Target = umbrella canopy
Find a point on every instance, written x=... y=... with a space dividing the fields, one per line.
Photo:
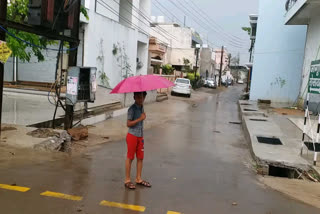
x=141 y=83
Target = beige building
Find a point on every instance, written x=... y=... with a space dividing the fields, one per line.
x=181 y=42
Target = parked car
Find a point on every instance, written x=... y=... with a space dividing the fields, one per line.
x=240 y=82
x=211 y=83
x=182 y=86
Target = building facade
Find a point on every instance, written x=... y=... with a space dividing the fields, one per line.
x=278 y=55
x=306 y=14
x=181 y=43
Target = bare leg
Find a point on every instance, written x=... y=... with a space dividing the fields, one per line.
x=139 y=170
x=128 y=170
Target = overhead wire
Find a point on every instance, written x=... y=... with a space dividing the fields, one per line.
x=144 y=16
x=31 y=44
x=209 y=19
x=148 y=25
x=112 y=10
x=202 y=24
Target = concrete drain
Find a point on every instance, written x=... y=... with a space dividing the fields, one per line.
x=269 y=140
x=312 y=147
x=259 y=120
x=248 y=109
x=282 y=172
x=245 y=104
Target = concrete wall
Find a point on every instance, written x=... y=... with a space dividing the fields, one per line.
x=279 y=51
x=206 y=63
x=176 y=56
x=311 y=52
x=110 y=9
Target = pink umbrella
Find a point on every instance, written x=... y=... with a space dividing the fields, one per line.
x=141 y=83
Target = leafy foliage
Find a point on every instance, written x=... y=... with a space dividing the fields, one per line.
x=187 y=66
x=167 y=69
x=17 y=11
x=247 y=29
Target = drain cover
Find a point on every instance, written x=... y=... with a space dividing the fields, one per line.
x=310 y=146
x=248 y=109
x=269 y=140
x=261 y=120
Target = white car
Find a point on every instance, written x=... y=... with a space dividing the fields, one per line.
x=240 y=81
x=182 y=86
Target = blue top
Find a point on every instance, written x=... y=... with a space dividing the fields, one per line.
x=134 y=112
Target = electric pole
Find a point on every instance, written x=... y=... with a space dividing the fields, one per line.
x=196 y=69
x=221 y=63
x=3 y=17
x=68 y=121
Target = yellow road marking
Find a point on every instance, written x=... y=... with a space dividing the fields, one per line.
x=61 y=195
x=14 y=188
x=123 y=206
x=172 y=212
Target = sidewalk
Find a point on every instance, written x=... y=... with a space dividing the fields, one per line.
x=264 y=121
x=114 y=128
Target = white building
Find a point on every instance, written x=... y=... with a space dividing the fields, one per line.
x=116 y=38
x=306 y=12
x=278 y=55
x=181 y=42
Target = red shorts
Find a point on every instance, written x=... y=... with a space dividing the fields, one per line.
x=135 y=145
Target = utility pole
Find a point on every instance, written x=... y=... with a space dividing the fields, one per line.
x=196 y=69
x=184 y=21
x=221 y=63
x=3 y=17
x=68 y=122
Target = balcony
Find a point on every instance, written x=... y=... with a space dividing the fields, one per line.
x=156 y=47
x=299 y=12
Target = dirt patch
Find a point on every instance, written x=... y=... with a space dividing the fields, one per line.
x=305 y=191
x=8 y=128
x=288 y=111
x=43 y=133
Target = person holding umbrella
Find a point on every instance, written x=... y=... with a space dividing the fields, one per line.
x=136 y=115
x=135 y=140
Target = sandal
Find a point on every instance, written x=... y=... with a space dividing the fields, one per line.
x=130 y=185
x=144 y=183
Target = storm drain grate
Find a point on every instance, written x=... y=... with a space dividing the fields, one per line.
x=282 y=172
x=248 y=109
x=259 y=120
x=310 y=147
x=269 y=140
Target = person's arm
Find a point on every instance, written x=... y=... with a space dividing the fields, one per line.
x=131 y=123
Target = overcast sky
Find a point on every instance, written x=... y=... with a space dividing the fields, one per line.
x=218 y=20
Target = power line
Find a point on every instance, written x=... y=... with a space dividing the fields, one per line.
x=139 y=12
x=112 y=10
x=175 y=17
x=202 y=13
x=231 y=42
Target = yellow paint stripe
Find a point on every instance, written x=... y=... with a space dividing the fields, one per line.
x=123 y=206
x=62 y=196
x=14 y=188
x=172 y=212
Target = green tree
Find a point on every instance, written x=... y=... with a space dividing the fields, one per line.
x=187 y=66
x=167 y=69
x=18 y=12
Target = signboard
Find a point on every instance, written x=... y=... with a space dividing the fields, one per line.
x=72 y=86
x=5 y=52
x=314 y=78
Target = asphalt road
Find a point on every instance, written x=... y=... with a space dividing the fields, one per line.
x=197 y=163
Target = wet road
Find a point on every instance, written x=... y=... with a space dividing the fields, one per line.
x=196 y=163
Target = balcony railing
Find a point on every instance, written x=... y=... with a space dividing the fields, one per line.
x=289 y=4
